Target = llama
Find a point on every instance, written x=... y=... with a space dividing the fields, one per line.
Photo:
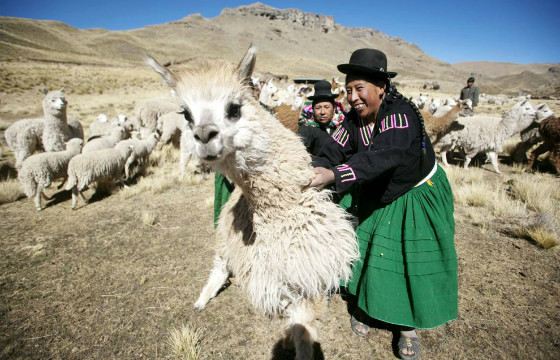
x=438 y=126
x=56 y=129
x=549 y=130
x=287 y=244
x=483 y=133
x=49 y=132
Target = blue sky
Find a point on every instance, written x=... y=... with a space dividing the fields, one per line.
x=519 y=31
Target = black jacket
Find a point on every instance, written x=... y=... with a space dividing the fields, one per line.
x=387 y=161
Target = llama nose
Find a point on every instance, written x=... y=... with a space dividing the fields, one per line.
x=205 y=133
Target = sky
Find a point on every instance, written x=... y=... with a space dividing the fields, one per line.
x=518 y=31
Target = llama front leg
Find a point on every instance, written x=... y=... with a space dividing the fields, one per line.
x=444 y=158
x=467 y=161
x=494 y=160
x=300 y=332
x=37 y=198
x=75 y=193
x=217 y=279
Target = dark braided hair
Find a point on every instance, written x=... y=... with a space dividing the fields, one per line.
x=392 y=91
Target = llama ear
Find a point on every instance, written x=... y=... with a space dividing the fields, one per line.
x=247 y=64
x=162 y=71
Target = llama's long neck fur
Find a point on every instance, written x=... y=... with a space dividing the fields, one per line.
x=513 y=122
x=274 y=169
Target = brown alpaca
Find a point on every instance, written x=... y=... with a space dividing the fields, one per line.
x=436 y=127
x=549 y=129
x=287 y=116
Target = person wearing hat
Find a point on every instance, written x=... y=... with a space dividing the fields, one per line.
x=322 y=110
x=470 y=92
x=320 y=115
x=407 y=272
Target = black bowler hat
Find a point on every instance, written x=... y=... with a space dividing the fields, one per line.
x=322 y=91
x=370 y=62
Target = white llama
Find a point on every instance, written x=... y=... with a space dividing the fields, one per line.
x=288 y=245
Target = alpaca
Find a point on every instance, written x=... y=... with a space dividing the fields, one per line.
x=483 y=133
x=56 y=129
x=288 y=245
x=531 y=136
x=50 y=132
x=149 y=111
x=438 y=126
x=549 y=129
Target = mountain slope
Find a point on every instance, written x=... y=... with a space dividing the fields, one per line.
x=290 y=42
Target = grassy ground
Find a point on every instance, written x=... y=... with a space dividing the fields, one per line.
x=116 y=279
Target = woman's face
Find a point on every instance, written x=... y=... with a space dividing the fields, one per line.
x=323 y=112
x=364 y=97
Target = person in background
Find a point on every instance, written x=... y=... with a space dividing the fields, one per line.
x=322 y=110
x=326 y=115
x=407 y=272
x=470 y=92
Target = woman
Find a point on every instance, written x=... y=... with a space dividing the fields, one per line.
x=407 y=274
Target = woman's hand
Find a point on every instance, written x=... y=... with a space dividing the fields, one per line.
x=323 y=177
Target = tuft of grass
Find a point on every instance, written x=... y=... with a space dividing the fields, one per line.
x=540 y=234
x=149 y=218
x=10 y=191
x=539 y=191
x=185 y=342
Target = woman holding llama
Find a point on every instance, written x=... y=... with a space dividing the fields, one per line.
x=407 y=274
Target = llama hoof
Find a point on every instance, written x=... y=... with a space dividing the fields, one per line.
x=200 y=304
x=199 y=307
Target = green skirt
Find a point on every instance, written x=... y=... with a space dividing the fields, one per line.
x=407 y=272
x=222 y=191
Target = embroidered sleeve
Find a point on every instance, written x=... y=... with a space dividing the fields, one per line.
x=394 y=137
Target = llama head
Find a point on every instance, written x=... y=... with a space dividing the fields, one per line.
x=543 y=112
x=74 y=145
x=216 y=102
x=522 y=114
x=54 y=103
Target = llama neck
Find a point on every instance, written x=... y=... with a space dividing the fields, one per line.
x=280 y=174
x=59 y=118
x=512 y=123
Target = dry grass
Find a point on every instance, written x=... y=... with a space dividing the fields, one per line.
x=10 y=191
x=149 y=218
x=185 y=342
x=528 y=202
x=540 y=234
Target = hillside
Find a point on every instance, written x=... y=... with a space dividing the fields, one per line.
x=300 y=36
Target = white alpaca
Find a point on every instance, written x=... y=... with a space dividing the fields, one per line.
x=106 y=142
x=56 y=129
x=142 y=149
x=26 y=136
x=484 y=133
x=148 y=112
x=40 y=170
x=106 y=164
x=268 y=95
x=286 y=244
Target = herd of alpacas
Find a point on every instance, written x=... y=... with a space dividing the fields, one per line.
x=217 y=120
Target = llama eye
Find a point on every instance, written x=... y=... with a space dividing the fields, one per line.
x=233 y=111
x=187 y=114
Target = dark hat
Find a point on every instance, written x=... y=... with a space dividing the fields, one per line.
x=471 y=79
x=322 y=91
x=370 y=62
